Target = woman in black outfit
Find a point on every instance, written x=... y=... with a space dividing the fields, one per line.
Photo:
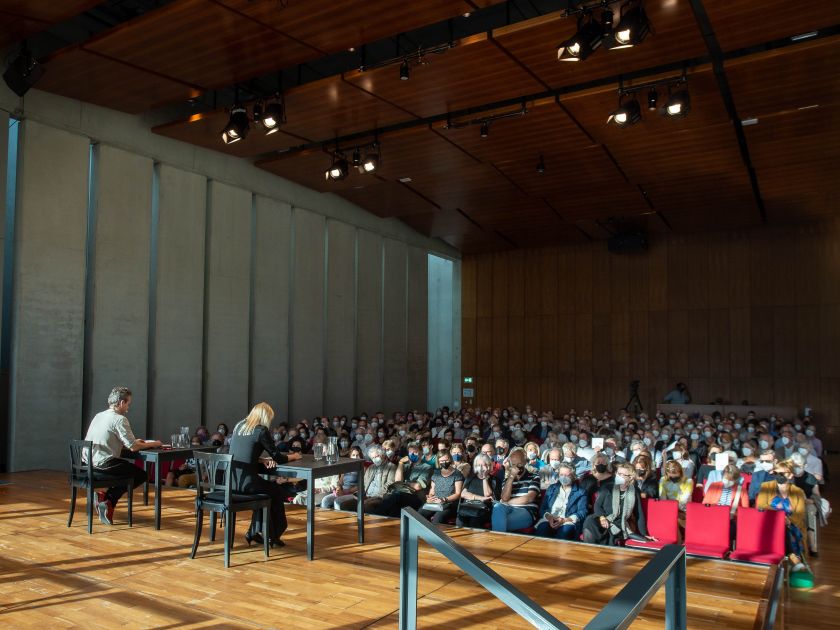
x=249 y=439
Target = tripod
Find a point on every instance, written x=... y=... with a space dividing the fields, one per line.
x=634 y=405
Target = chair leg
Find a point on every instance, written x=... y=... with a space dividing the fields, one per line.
x=265 y=531
x=199 y=519
x=130 y=496
x=90 y=509
x=73 y=492
x=212 y=527
x=227 y=538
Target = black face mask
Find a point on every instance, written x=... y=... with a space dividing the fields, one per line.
x=600 y=468
x=295 y=449
x=780 y=478
x=471 y=448
x=445 y=465
x=500 y=450
x=674 y=479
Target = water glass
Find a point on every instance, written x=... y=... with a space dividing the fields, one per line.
x=176 y=440
x=318 y=452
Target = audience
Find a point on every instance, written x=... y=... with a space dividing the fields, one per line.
x=517 y=506
x=618 y=511
x=783 y=495
x=445 y=490
x=563 y=508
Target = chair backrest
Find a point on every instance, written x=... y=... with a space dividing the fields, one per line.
x=81 y=459
x=697 y=494
x=707 y=525
x=760 y=531
x=662 y=520
x=212 y=472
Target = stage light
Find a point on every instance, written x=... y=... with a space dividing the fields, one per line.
x=583 y=43
x=23 y=72
x=257 y=112
x=541 y=166
x=273 y=116
x=370 y=163
x=678 y=105
x=632 y=29
x=405 y=71
x=652 y=98
x=357 y=158
x=338 y=170
x=237 y=127
x=627 y=114
x=485 y=129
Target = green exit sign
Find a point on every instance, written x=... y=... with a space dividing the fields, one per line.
x=468 y=379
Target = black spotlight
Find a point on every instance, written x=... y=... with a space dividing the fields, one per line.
x=485 y=129
x=338 y=170
x=405 y=71
x=357 y=158
x=370 y=163
x=627 y=114
x=273 y=116
x=578 y=47
x=541 y=166
x=257 y=112
x=678 y=105
x=632 y=29
x=237 y=127
x=652 y=97
x=23 y=72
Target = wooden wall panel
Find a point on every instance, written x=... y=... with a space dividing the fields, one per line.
x=747 y=315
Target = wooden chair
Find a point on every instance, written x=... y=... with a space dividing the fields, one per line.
x=81 y=476
x=213 y=486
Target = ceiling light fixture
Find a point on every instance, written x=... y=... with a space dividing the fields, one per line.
x=627 y=114
x=370 y=163
x=238 y=125
x=541 y=166
x=274 y=116
x=357 y=157
x=257 y=112
x=678 y=105
x=651 y=99
x=484 y=131
x=631 y=30
x=583 y=43
x=405 y=71
x=338 y=170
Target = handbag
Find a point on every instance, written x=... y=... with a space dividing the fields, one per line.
x=435 y=507
x=402 y=487
x=473 y=508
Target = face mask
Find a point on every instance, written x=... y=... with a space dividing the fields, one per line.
x=798 y=470
x=647 y=441
x=389 y=453
x=750 y=429
x=728 y=483
x=765 y=466
x=785 y=440
x=803 y=451
x=674 y=479
x=600 y=468
x=426 y=450
x=565 y=480
x=798 y=427
x=655 y=432
x=344 y=443
x=354 y=424
x=573 y=439
x=781 y=479
x=555 y=464
x=707 y=434
x=672 y=421
x=457 y=425
x=809 y=432
x=543 y=424
x=277 y=437
x=295 y=449
x=500 y=450
x=747 y=451
x=764 y=444
x=413 y=457
x=376 y=460
x=496 y=434
x=583 y=443
x=445 y=465
x=532 y=455
x=303 y=434
x=620 y=480
x=695 y=436
x=677 y=456
x=221 y=430
x=456 y=457
x=368 y=438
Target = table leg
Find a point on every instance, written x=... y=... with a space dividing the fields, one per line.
x=310 y=516
x=360 y=504
x=146 y=485
x=157 y=494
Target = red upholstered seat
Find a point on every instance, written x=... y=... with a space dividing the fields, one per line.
x=707 y=530
x=662 y=524
x=760 y=536
x=697 y=494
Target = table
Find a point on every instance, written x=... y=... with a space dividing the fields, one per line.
x=156 y=456
x=309 y=469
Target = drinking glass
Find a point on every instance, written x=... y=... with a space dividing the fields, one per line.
x=318 y=452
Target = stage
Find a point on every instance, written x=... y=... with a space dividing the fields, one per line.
x=137 y=577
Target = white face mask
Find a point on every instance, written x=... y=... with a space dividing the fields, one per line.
x=728 y=483
x=747 y=451
x=809 y=432
x=583 y=443
x=620 y=480
x=764 y=444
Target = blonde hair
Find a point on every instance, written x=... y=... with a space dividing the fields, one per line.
x=676 y=468
x=262 y=413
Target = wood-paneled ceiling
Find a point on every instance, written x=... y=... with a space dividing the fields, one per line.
x=705 y=171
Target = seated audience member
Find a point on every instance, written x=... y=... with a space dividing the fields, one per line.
x=378 y=477
x=785 y=445
x=390 y=450
x=600 y=477
x=570 y=456
x=481 y=488
x=717 y=473
x=445 y=490
x=675 y=485
x=783 y=495
x=646 y=477
x=709 y=466
x=763 y=472
x=811 y=434
x=679 y=454
x=584 y=448
x=203 y=434
x=532 y=458
x=563 y=508
x=808 y=483
x=813 y=464
x=459 y=460
x=549 y=474
x=428 y=456
x=183 y=476
x=517 y=507
x=502 y=450
x=749 y=456
x=411 y=483
x=110 y=432
x=347 y=486
x=497 y=470
x=729 y=491
x=618 y=512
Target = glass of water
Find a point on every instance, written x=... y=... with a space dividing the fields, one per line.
x=318 y=451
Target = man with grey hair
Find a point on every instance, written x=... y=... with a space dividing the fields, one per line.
x=110 y=432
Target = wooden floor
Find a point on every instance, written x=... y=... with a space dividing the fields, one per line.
x=52 y=576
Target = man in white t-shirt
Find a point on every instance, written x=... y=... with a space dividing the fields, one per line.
x=110 y=432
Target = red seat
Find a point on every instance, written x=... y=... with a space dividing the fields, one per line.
x=760 y=536
x=707 y=530
x=662 y=525
x=697 y=495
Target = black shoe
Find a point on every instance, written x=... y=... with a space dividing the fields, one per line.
x=257 y=538
x=814 y=554
x=276 y=543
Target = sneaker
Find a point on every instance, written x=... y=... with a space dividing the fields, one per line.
x=106 y=512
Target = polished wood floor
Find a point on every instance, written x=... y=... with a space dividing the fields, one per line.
x=52 y=576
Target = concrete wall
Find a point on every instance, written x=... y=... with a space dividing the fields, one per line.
x=199 y=281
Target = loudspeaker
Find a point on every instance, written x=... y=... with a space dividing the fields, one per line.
x=628 y=243
x=23 y=73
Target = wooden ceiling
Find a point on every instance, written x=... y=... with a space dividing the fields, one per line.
x=705 y=171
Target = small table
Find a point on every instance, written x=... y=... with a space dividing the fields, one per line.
x=309 y=469
x=157 y=456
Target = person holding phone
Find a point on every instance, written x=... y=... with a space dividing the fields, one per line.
x=517 y=508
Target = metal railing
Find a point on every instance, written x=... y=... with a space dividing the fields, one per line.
x=666 y=567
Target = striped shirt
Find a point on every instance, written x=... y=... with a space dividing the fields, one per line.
x=528 y=482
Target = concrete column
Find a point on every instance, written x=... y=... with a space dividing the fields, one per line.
x=48 y=313
x=395 y=349
x=369 y=323
x=339 y=375
x=418 y=328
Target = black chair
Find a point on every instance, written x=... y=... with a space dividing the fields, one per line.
x=213 y=472
x=81 y=476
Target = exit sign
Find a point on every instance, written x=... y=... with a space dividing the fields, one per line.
x=468 y=379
